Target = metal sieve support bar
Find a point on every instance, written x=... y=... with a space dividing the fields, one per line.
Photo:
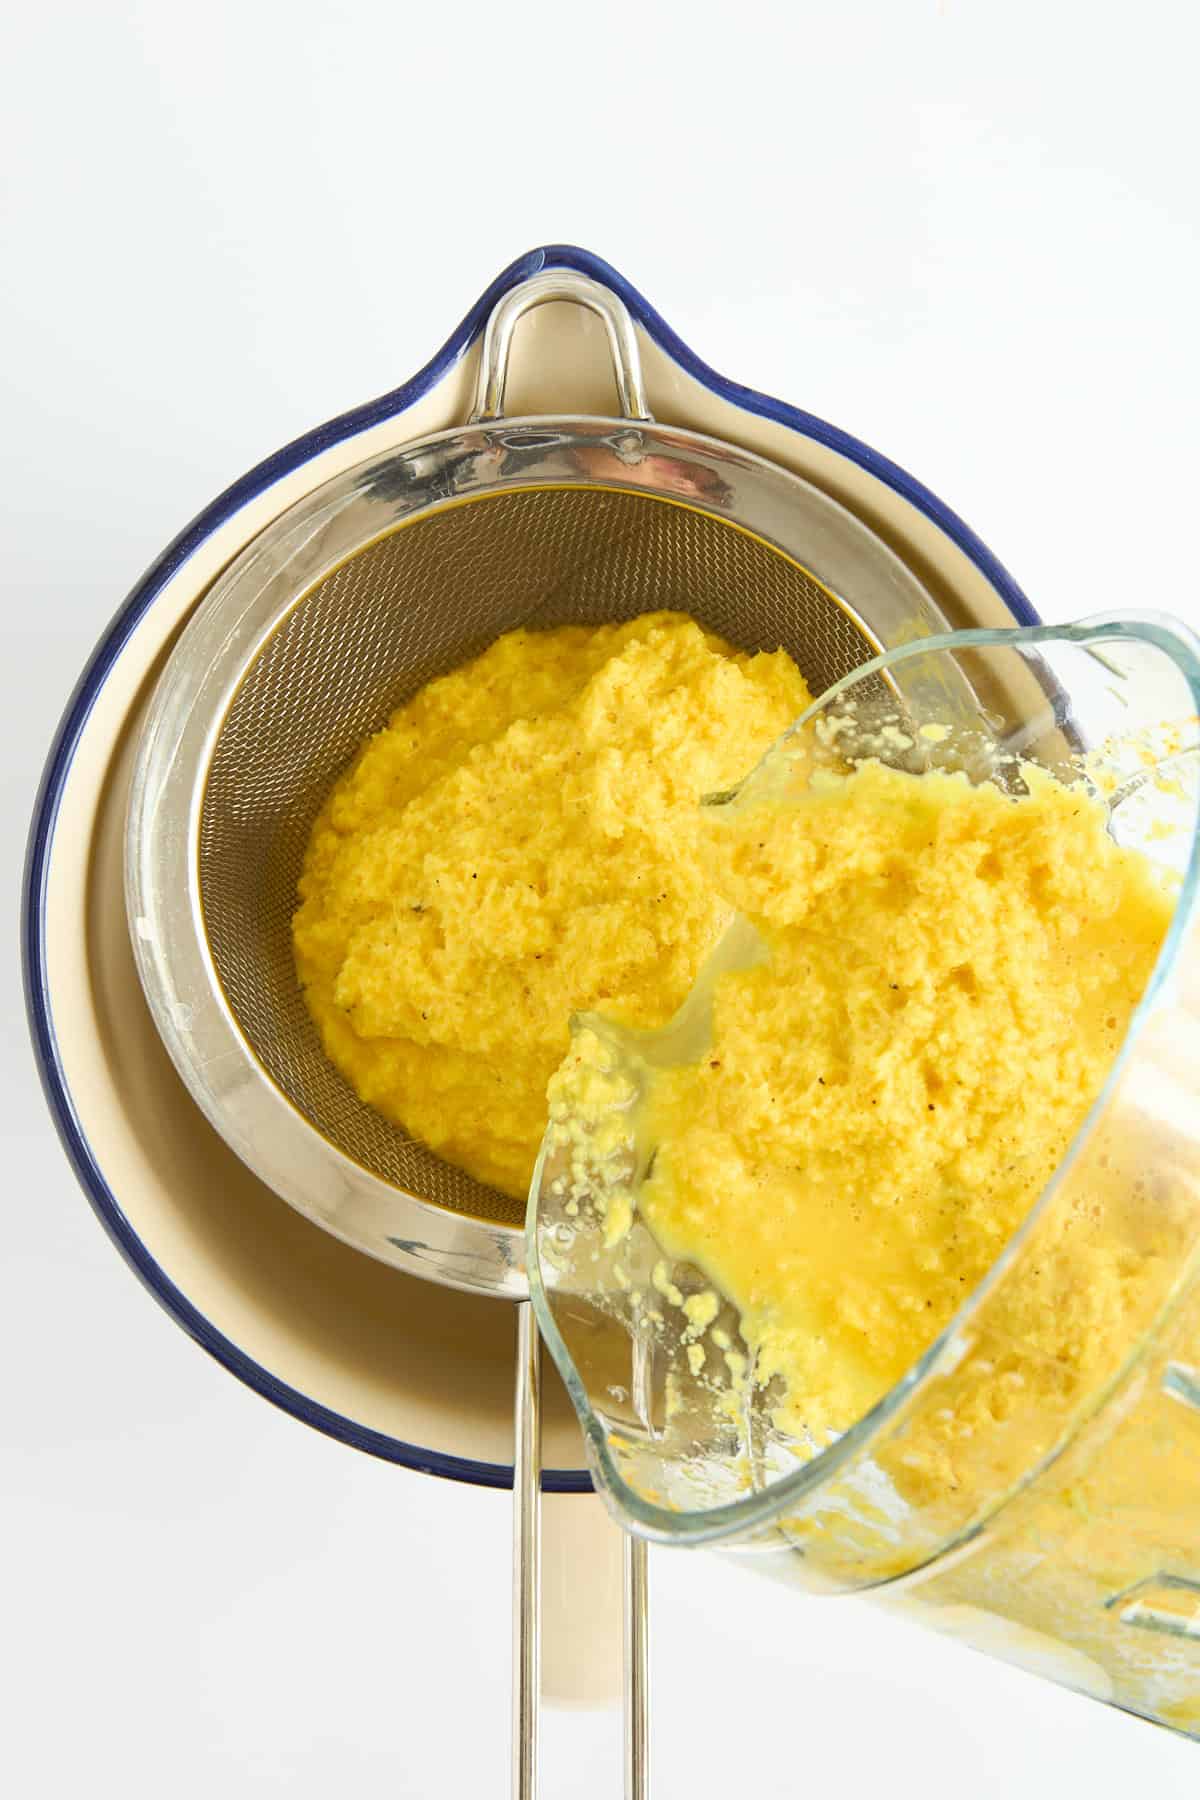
x=559 y=284
x=527 y=1558
x=637 y=1670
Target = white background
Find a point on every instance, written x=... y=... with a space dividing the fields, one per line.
x=966 y=232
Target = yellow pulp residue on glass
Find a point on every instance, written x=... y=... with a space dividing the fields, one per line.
x=950 y=973
x=519 y=843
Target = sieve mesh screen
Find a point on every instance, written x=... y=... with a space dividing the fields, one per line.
x=408 y=607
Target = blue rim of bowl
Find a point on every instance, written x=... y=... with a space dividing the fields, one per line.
x=283 y=462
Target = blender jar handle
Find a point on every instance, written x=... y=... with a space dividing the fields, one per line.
x=581 y=290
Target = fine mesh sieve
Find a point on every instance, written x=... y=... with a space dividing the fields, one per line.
x=340 y=610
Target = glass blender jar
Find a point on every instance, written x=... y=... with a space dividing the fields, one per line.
x=1035 y=1495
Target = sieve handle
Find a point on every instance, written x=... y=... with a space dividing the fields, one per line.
x=558 y=284
x=527 y=1596
x=527 y=1558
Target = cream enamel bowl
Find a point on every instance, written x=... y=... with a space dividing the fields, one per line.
x=409 y=1371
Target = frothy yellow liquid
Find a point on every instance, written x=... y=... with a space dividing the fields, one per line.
x=950 y=973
